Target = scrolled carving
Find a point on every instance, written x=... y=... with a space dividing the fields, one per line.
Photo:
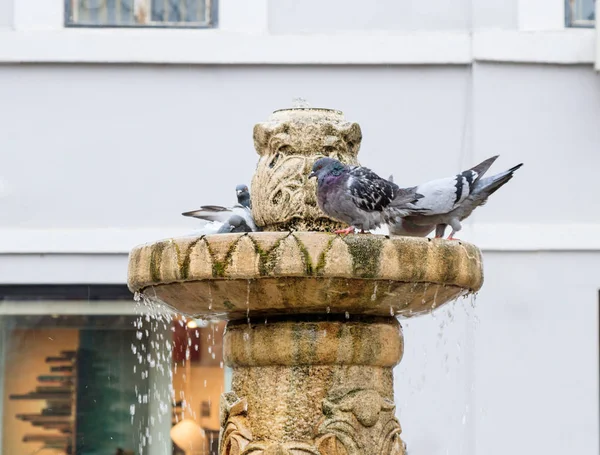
x=282 y=196
x=280 y=448
x=235 y=432
x=359 y=422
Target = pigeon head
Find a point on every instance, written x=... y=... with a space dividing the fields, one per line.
x=326 y=166
x=243 y=195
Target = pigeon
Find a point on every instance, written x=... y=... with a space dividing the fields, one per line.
x=357 y=196
x=448 y=201
x=235 y=223
x=225 y=220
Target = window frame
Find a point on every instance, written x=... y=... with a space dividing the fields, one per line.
x=581 y=23
x=212 y=23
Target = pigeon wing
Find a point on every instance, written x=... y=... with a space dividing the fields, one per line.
x=210 y=213
x=368 y=191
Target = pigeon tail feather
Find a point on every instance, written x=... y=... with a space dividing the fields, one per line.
x=483 y=167
x=490 y=185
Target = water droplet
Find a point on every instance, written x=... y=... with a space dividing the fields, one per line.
x=300 y=103
x=374 y=295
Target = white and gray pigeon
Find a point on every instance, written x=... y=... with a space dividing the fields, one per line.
x=357 y=196
x=448 y=201
x=223 y=220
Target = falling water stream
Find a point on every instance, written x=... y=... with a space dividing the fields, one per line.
x=157 y=401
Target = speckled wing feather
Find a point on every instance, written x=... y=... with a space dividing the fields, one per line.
x=369 y=191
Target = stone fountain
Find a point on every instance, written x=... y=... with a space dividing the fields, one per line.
x=312 y=335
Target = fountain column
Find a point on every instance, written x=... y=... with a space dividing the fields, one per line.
x=312 y=385
x=312 y=337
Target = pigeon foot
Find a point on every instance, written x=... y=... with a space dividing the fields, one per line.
x=348 y=230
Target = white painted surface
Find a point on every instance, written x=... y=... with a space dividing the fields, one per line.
x=569 y=46
x=223 y=47
x=494 y=14
x=488 y=237
x=243 y=15
x=6 y=15
x=317 y=16
x=63 y=269
x=219 y=47
x=141 y=145
x=38 y=14
x=526 y=367
x=545 y=117
x=541 y=15
x=536 y=352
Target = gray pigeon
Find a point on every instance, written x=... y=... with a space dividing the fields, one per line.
x=357 y=196
x=223 y=220
x=450 y=200
x=407 y=228
x=235 y=223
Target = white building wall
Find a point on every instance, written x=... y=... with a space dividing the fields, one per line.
x=315 y=16
x=98 y=157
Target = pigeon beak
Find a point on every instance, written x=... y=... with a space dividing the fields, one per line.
x=311 y=175
x=238 y=192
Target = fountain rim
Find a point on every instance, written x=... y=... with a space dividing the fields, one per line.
x=212 y=258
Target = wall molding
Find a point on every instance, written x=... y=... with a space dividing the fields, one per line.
x=191 y=46
x=112 y=241
x=566 y=46
x=170 y=46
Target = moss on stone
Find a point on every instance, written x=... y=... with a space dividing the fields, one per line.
x=366 y=252
x=321 y=262
x=184 y=268
x=448 y=262
x=156 y=260
x=218 y=269
x=306 y=255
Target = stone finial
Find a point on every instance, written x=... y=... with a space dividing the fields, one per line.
x=283 y=198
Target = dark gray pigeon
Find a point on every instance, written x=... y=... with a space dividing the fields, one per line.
x=227 y=219
x=448 y=201
x=357 y=196
x=235 y=223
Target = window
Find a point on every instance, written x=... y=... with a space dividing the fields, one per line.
x=580 y=13
x=141 y=13
x=85 y=371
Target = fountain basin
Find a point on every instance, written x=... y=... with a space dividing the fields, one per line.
x=277 y=273
x=312 y=337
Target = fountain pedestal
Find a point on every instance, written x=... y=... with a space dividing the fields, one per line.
x=312 y=336
x=314 y=386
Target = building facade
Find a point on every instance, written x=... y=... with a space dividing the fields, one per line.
x=118 y=115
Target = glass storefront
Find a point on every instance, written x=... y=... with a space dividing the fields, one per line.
x=87 y=370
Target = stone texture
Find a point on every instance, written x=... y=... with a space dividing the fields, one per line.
x=271 y=273
x=311 y=337
x=288 y=144
x=321 y=387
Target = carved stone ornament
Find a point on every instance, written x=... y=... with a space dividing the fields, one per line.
x=359 y=422
x=235 y=433
x=283 y=198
